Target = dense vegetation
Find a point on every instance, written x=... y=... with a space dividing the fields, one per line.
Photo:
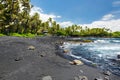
x=15 y=20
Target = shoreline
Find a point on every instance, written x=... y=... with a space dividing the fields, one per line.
x=40 y=62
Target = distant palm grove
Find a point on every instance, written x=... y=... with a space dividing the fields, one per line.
x=15 y=18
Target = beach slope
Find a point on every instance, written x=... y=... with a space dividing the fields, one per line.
x=18 y=62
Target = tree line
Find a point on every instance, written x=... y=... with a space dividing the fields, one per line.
x=15 y=18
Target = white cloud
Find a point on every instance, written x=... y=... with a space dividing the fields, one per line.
x=108 y=17
x=66 y=23
x=116 y=3
x=113 y=25
x=108 y=21
x=43 y=16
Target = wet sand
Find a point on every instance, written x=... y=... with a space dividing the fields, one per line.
x=19 y=63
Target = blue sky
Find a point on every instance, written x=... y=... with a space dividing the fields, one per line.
x=84 y=12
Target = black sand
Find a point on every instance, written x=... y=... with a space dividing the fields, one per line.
x=19 y=63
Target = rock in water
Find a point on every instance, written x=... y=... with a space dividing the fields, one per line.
x=118 y=56
x=31 y=48
x=76 y=62
x=47 y=78
x=107 y=73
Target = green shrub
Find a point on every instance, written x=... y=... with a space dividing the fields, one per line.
x=116 y=34
x=61 y=33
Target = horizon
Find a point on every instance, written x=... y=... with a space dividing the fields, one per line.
x=93 y=14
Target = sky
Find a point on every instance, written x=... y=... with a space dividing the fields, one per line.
x=91 y=13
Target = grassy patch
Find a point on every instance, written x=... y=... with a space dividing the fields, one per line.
x=27 y=35
x=16 y=34
x=2 y=35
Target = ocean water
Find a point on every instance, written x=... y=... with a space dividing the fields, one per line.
x=102 y=51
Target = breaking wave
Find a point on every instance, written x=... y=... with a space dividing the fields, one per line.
x=102 y=51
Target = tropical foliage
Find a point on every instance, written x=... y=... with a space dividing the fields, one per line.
x=116 y=34
x=15 y=20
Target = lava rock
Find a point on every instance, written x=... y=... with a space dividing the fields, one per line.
x=118 y=56
x=47 y=78
x=107 y=73
x=98 y=79
x=106 y=78
x=43 y=55
x=31 y=48
x=66 y=51
x=76 y=62
x=81 y=78
x=18 y=58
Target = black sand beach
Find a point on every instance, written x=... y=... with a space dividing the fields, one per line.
x=19 y=63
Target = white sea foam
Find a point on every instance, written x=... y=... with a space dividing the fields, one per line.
x=108 y=48
x=70 y=45
x=66 y=45
x=101 y=41
x=78 y=57
x=116 y=41
x=117 y=53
